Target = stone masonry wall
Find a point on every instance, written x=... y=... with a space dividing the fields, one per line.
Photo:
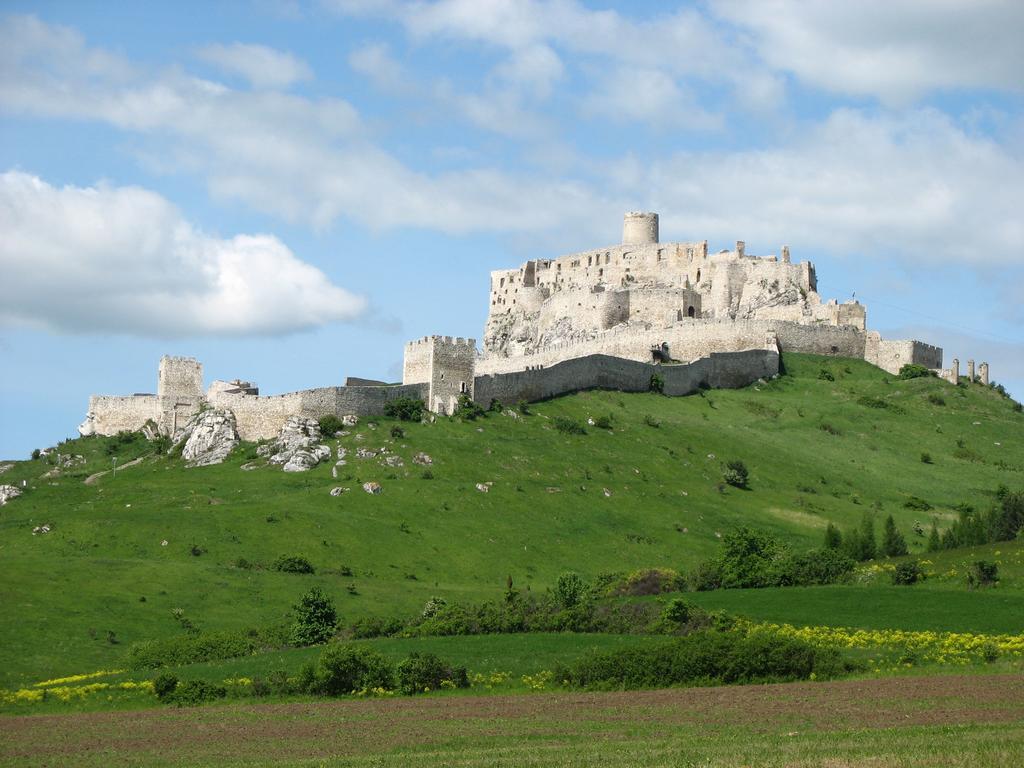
x=891 y=356
x=730 y=369
x=115 y=414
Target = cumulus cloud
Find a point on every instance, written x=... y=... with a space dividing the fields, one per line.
x=896 y=50
x=376 y=62
x=124 y=260
x=916 y=186
x=263 y=67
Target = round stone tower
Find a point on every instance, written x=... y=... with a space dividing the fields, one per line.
x=639 y=228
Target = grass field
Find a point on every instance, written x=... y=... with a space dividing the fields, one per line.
x=818 y=451
x=937 y=721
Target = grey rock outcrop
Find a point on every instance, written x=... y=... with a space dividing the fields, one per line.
x=8 y=492
x=208 y=437
x=298 y=446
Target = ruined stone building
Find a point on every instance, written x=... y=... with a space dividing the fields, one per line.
x=608 y=317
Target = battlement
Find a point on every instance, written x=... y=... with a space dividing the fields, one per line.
x=456 y=341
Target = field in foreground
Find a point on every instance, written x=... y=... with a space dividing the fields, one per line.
x=939 y=721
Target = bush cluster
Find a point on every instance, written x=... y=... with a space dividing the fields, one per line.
x=329 y=425
x=293 y=564
x=420 y=673
x=915 y=371
x=568 y=426
x=404 y=409
x=705 y=657
x=190 y=649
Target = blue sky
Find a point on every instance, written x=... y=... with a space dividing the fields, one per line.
x=291 y=190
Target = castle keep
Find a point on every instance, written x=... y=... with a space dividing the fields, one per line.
x=609 y=317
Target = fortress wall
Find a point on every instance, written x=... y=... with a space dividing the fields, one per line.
x=416 y=363
x=115 y=414
x=261 y=417
x=734 y=369
x=820 y=339
x=892 y=355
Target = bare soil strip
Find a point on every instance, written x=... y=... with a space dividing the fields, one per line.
x=332 y=729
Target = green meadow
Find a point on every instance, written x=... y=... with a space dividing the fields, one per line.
x=828 y=441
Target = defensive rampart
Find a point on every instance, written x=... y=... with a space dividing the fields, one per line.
x=719 y=370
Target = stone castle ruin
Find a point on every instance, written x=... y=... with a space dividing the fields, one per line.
x=611 y=317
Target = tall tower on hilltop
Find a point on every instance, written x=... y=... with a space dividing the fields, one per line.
x=639 y=228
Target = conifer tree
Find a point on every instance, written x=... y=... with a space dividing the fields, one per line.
x=893 y=543
x=934 y=542
x=833 y=538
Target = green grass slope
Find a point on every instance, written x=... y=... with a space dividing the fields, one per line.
x=637 y=495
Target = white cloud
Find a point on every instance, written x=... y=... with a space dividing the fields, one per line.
x=650 y=96
x=896 y=50
x=263 y=67
x=123 y=260
x=915 y=187
x=376 y=62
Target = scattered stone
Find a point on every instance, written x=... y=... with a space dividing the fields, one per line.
x=684 y=493
x=365 y=453
x=607 y=492
x=511 y=414
x=208 y=436
x=482 y=487
x=718 y=535
x=298 y=446
x=5 y=467
x=88 y=427
x=394 y=461
x=8 y=492
x=372 y=488
x=360 y=436
x=341 y=452
x=249 y=466
x=350 y=420
x=163 y=543
x=711 y=456
x=150 y=430
x=553 y=489
x=422 y=458
x=39 y=529
x=479 y=429
x=590 y=421
x=338 y=491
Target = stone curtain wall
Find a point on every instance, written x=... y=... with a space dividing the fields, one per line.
x=116 y=414
x=261 y=417
x=891 y=356
x=720 y=370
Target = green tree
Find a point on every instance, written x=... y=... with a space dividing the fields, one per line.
x=833 y=538
x=868 y=542
x=315 y=618
x=569 y=589
x=748 y=557
x=934 y=542
x=893 y=543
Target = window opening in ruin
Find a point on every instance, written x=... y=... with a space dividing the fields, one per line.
x=462 y=387
x=679 y=314
x=698 y=275
x=691 y=312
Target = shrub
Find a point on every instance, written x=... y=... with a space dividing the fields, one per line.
x=926 y=458
x=404 y=409
x=650 y=421
x=736 y=474
x=164 y=685
x=705 y=657
x=818 y=566
x=907 y=573
x=36 y=453
x=826 y=375
x=315 y=619
x=343 y=669
x=189 y=693
x=419 y=673
x=916 y=503
x=496 y=406
x=982 y=573
x=293 y=564
x=329 y=425
x=189 y=649
x=469 y=410
x=833 y=538
x=523 y=407
x=603 y=422
x=706 y=576
x=652 y=581
x=678 y=611
x=397 y=432
x=829 y=428
x=569 y=589
x=915 y=371
x=935 y=399
x=568 y=426
x=934 y=542
x=656 y=383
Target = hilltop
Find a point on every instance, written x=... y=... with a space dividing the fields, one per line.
x=505 y=496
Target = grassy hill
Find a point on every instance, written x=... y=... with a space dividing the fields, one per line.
x=828 y=441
